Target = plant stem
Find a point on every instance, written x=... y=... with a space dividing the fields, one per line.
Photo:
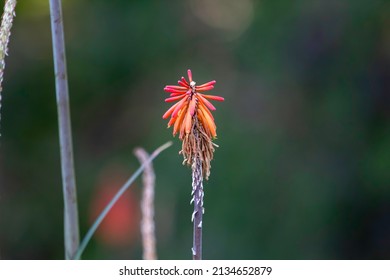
x=147 y=208
x=198 y=194
x=5 y=32
x=107 y=209
x=71 y=224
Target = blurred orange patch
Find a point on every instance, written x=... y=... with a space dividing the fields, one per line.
x=121 y=225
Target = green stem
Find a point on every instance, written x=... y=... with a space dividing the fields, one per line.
x=103 y=214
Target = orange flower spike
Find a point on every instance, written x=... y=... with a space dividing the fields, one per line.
x=191 y=104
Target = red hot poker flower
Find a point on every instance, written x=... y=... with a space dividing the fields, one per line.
x=191 y=102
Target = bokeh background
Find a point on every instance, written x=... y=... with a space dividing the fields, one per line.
x=302 y=171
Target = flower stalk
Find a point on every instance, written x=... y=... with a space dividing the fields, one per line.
x=147 y=207
x=192 y=119
x=121 y=191
x=5 y=33
x=71 y=220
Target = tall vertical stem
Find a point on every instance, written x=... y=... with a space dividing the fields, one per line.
x=71 y=225
x=198 y=194
x=5 y=32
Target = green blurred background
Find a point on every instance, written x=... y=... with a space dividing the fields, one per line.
x=302 y=171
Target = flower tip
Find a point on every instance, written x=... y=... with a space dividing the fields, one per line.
x=184 y=81
x=189 y=75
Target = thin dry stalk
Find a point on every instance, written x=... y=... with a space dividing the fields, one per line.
x=5 y=32
x=147 y=207
x=71 y=224
x=121 y=191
